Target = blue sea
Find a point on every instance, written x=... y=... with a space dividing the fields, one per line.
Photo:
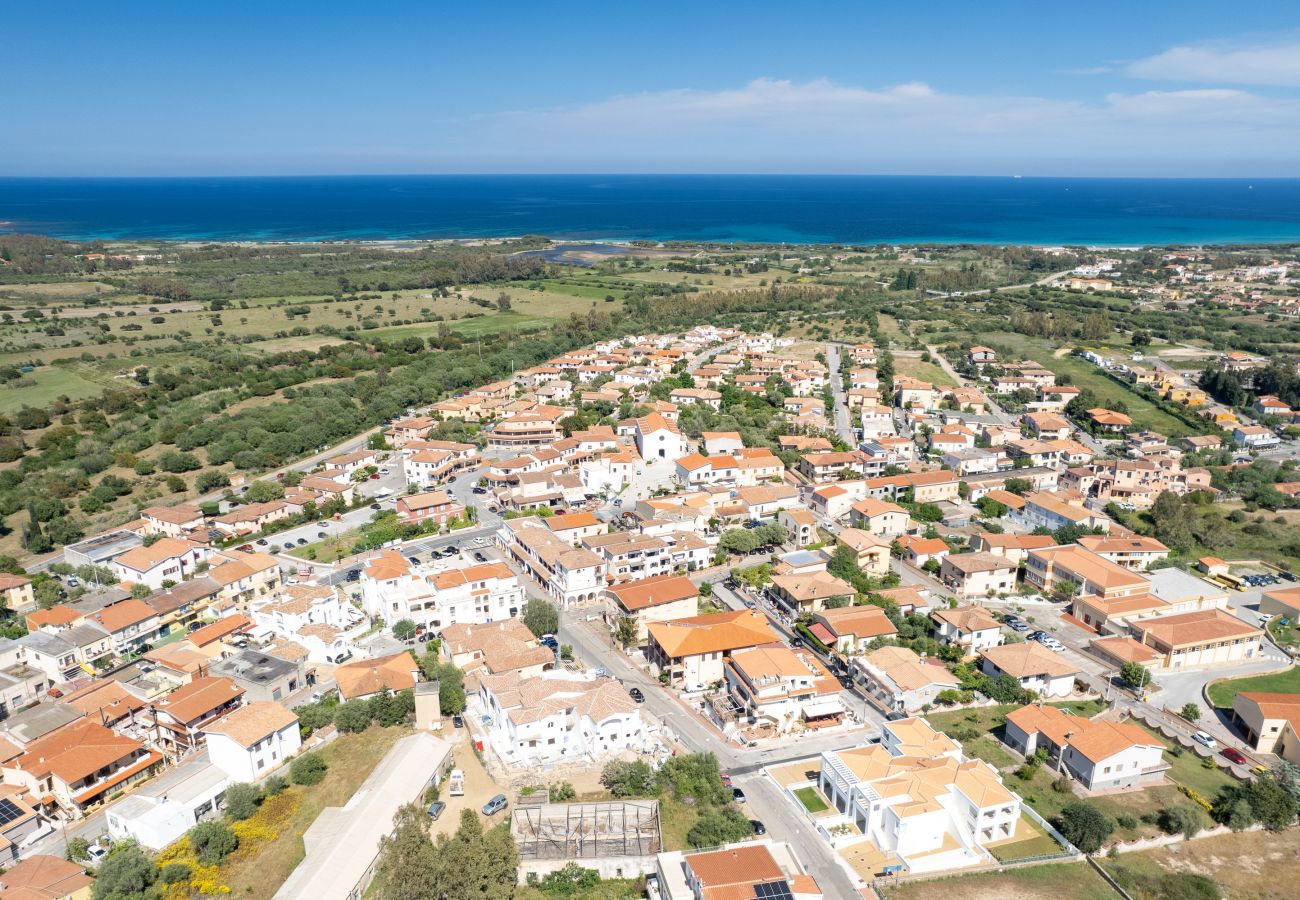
x=759 y=208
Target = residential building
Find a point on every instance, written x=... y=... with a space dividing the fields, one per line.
x=180 y=717
x=918 y=799
x=780 y=688
x=660 y=598
x=880 y=517
x=366 y=677
x=1097 y=753
x=131 y=624
x=558 y=716
x=253 y=740
x=1130 y=551
x=496 y=648
x=168 y=560
x=569 y=575
x=75 y=769
x=755 y=868
x=1054 y=511
x=850 y=629
x=691 y=651
x=870 y=552
x=977 y=574
x=972 y=628
x=808 y=592
x=262 y=676
x=1033 y=666
x=44 y=877
x=430 y=506
x=897 y=680
x=1269 y=721
x=172 y=521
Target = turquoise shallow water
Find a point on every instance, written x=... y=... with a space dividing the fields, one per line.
x=764 y=208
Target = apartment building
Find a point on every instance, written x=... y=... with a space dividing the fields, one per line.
x=691 y=652
x=783 y=688
x=977 y=574
x=972 y=628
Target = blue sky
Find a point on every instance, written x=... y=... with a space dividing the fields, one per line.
x=285 y=87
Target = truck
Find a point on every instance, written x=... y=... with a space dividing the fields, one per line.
x=456 y=783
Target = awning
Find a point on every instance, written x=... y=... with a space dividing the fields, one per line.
x=822 y=633
x=818 y=709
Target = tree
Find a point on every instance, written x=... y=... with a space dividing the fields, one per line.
x=627 y=778
x=719 y=826
x=1185 y=820
x=1272 y=803
x=1018 y=486
x=242 y=801
x=1085 y=826
x=404 y=629
x=353 y=717
x=626 y=631
x=308 y=769
x=78 y=849
x=126 y=874
x=1173 y=519
x=264 y=492
x=541 y=617
x=212 y=842
x=1135 y=674
x=407 y=867
x=1190 y=711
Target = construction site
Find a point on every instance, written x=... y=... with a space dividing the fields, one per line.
x=586 y=832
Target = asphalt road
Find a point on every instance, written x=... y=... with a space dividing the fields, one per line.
x=843 y=423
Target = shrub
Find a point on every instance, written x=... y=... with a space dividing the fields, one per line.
x=174 y=873
x=1124 y=820
x=308 y=769
x=1085 y=826
x=212 y=842
x=274 y=785
x=242 y=801
x=1185 y=820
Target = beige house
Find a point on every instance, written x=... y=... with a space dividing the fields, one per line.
x=691 y=651
x=880 y=517
x=808 y=592
x=850 y=629
x=871 y=553
x=898 y=680
x=17 y=593
x=1269 y=722
x=1033 y=665
x=977 y=574
x=660 y=598
x=972 y=628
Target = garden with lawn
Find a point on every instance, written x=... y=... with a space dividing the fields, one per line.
x=1285 y=682
x=979 y=729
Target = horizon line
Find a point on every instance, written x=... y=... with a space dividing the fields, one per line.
x=1012 y=176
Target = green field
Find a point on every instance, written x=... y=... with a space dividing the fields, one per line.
x=1284 y=682
x=45 y=385
x=985 y=724
x=1055 y=881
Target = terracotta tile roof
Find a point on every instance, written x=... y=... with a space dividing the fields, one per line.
x=370 y=676
x=252 y=722
x=967 y=619
x=76 y=751
x=970 y=563
x=198 y=698
x=655 y=591
x=44 y=877
x=1199 y=627
x=1097 y=740
x=142 y=559
x=813 y=586
x=387 y=565
x=907 y=670
x=180 y=514
x=712 y=633
x=122 y=615
x=1274 y=706
x=858 y=621
x=1028 y=659
x=209 y=634
x=734 y=868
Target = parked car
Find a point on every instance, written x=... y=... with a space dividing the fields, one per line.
x=1287 y=576
x=302 y=542
x=738 y=795
x=726 y=779
x=96 y=852
x=262 y=542
x=1205 y=740
x=374 y=477
x=375 y=506
x=1019 y=627
x=436 y=808
x=759 y=828
x=495 y=805
x=1265 y=618
x=1234 y=755
x=635 y=694
x=549 y=640
x=479 y=557
x=458 y=721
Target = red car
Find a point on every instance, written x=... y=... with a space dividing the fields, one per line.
x=374 y=476
x=726 y=779
x=1233 y=755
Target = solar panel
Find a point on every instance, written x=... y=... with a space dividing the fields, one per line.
x=773 y=890
x=9 y=811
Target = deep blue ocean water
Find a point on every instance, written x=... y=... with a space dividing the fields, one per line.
x=803 y=209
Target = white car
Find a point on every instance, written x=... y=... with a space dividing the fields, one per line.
x=1205 y=740
x=1265 y=618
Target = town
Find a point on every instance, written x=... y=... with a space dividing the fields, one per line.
x=712 y=611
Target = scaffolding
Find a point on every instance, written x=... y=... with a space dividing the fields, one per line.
x=586 y=830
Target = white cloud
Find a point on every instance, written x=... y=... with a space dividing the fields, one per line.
x=1275 y=64
x=780 y=125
